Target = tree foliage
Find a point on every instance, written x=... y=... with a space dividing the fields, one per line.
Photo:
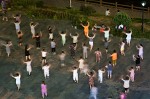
x=122 y=18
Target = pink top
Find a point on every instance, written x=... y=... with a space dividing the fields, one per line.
x=132 y=72
x=122 y=96
x=43 y=88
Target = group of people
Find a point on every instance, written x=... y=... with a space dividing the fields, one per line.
x=83 y=66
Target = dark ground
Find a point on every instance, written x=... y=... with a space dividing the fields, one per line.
x=60 y=84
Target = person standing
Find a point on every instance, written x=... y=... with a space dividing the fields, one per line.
x=32 y=26
x=132 y=74
x=100 y=75
x=107 y=12
x=62 y=58
x=91 y=76
x=63 y=37
x=46 y=68
x=109 y=70
x=140 y=49
x=51 y=34
x=7 y=45
x=72 y=48
x=114 y=58
x=4 y=10
x=91 y=41
x=17 y=17
x=75 y=74
x=53 y=46
x=106 y=33
x=17 y=26
x=137 y=60
x=81 y=63
x=75 y=38
x=129 y=36
x=44 y=54
x=106 y=44
x=19 y=34
x=18 y=79
x=126 y=84
x=28 y=66
x=85 y=52
x=98 y=55
x=86 y=28
x=38 y=40
x=93 y=92
x=43 y=89
x=27 y=53
x=122 y=47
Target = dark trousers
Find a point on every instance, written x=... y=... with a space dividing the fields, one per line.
x=38 y=44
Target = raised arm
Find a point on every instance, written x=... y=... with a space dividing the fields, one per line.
x=94 y=34
x=88 y=23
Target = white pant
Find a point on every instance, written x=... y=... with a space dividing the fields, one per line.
x=100 y=78
x=46 y=74
x=75 y=77
x=128 y=41
x=84 y=55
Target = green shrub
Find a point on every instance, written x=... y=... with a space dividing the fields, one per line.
x=122 y=18
x=24 y=3
x=87 y=10
x=39 y=3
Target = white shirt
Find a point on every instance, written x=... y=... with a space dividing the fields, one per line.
x=18 y=79
x=62 y=56
x=17 y=25
x=44 y=54
x=140 y=50
x=75 y=39
x=128 y=35
x=75 y=71
x=45 y=68
x=100 y=73
x=28 y=63
x=107 y=13
x=106 y=34
x=126 y=83
x=85 y=48
x=53 y=44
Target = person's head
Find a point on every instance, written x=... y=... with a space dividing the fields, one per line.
x=80 y=57
x=37 y=34
x=84 y=44
x=43 y=82
x=98 y=49
x=129 y=31
x=114 y=51
x=17 y=15
x=17 y=74
x=91 y=73
x=62 y=32
x=52 y=39
x=74 y=67
x=16 y=21
x=32 y=23
x=62 y=51
x=19 y=32
x=7 y=42
x=127 y=77
x=141 y=45
x=131 y=67
x=26 y=46
x=109 y=62
x=43 y=49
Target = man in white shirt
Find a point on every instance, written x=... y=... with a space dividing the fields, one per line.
x=74 y=37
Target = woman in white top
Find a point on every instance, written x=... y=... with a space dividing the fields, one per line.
x=63 y=37
x=126 y=84
x=107 y=12
x=7 y=45
x=44 y=53
x=50 y=30
x=128 y=38
x=85 y=52
x=46 y=68
x=140 y=48
x=81 y=63
x=91 y=41
x=17 y=26
x=100 y=75
x=75 y=74
x=75 y=37
x=28 y=66
x=62 y=58
x=106 y=33
x=18 y=79
x=122 y=46
x=32 y=26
